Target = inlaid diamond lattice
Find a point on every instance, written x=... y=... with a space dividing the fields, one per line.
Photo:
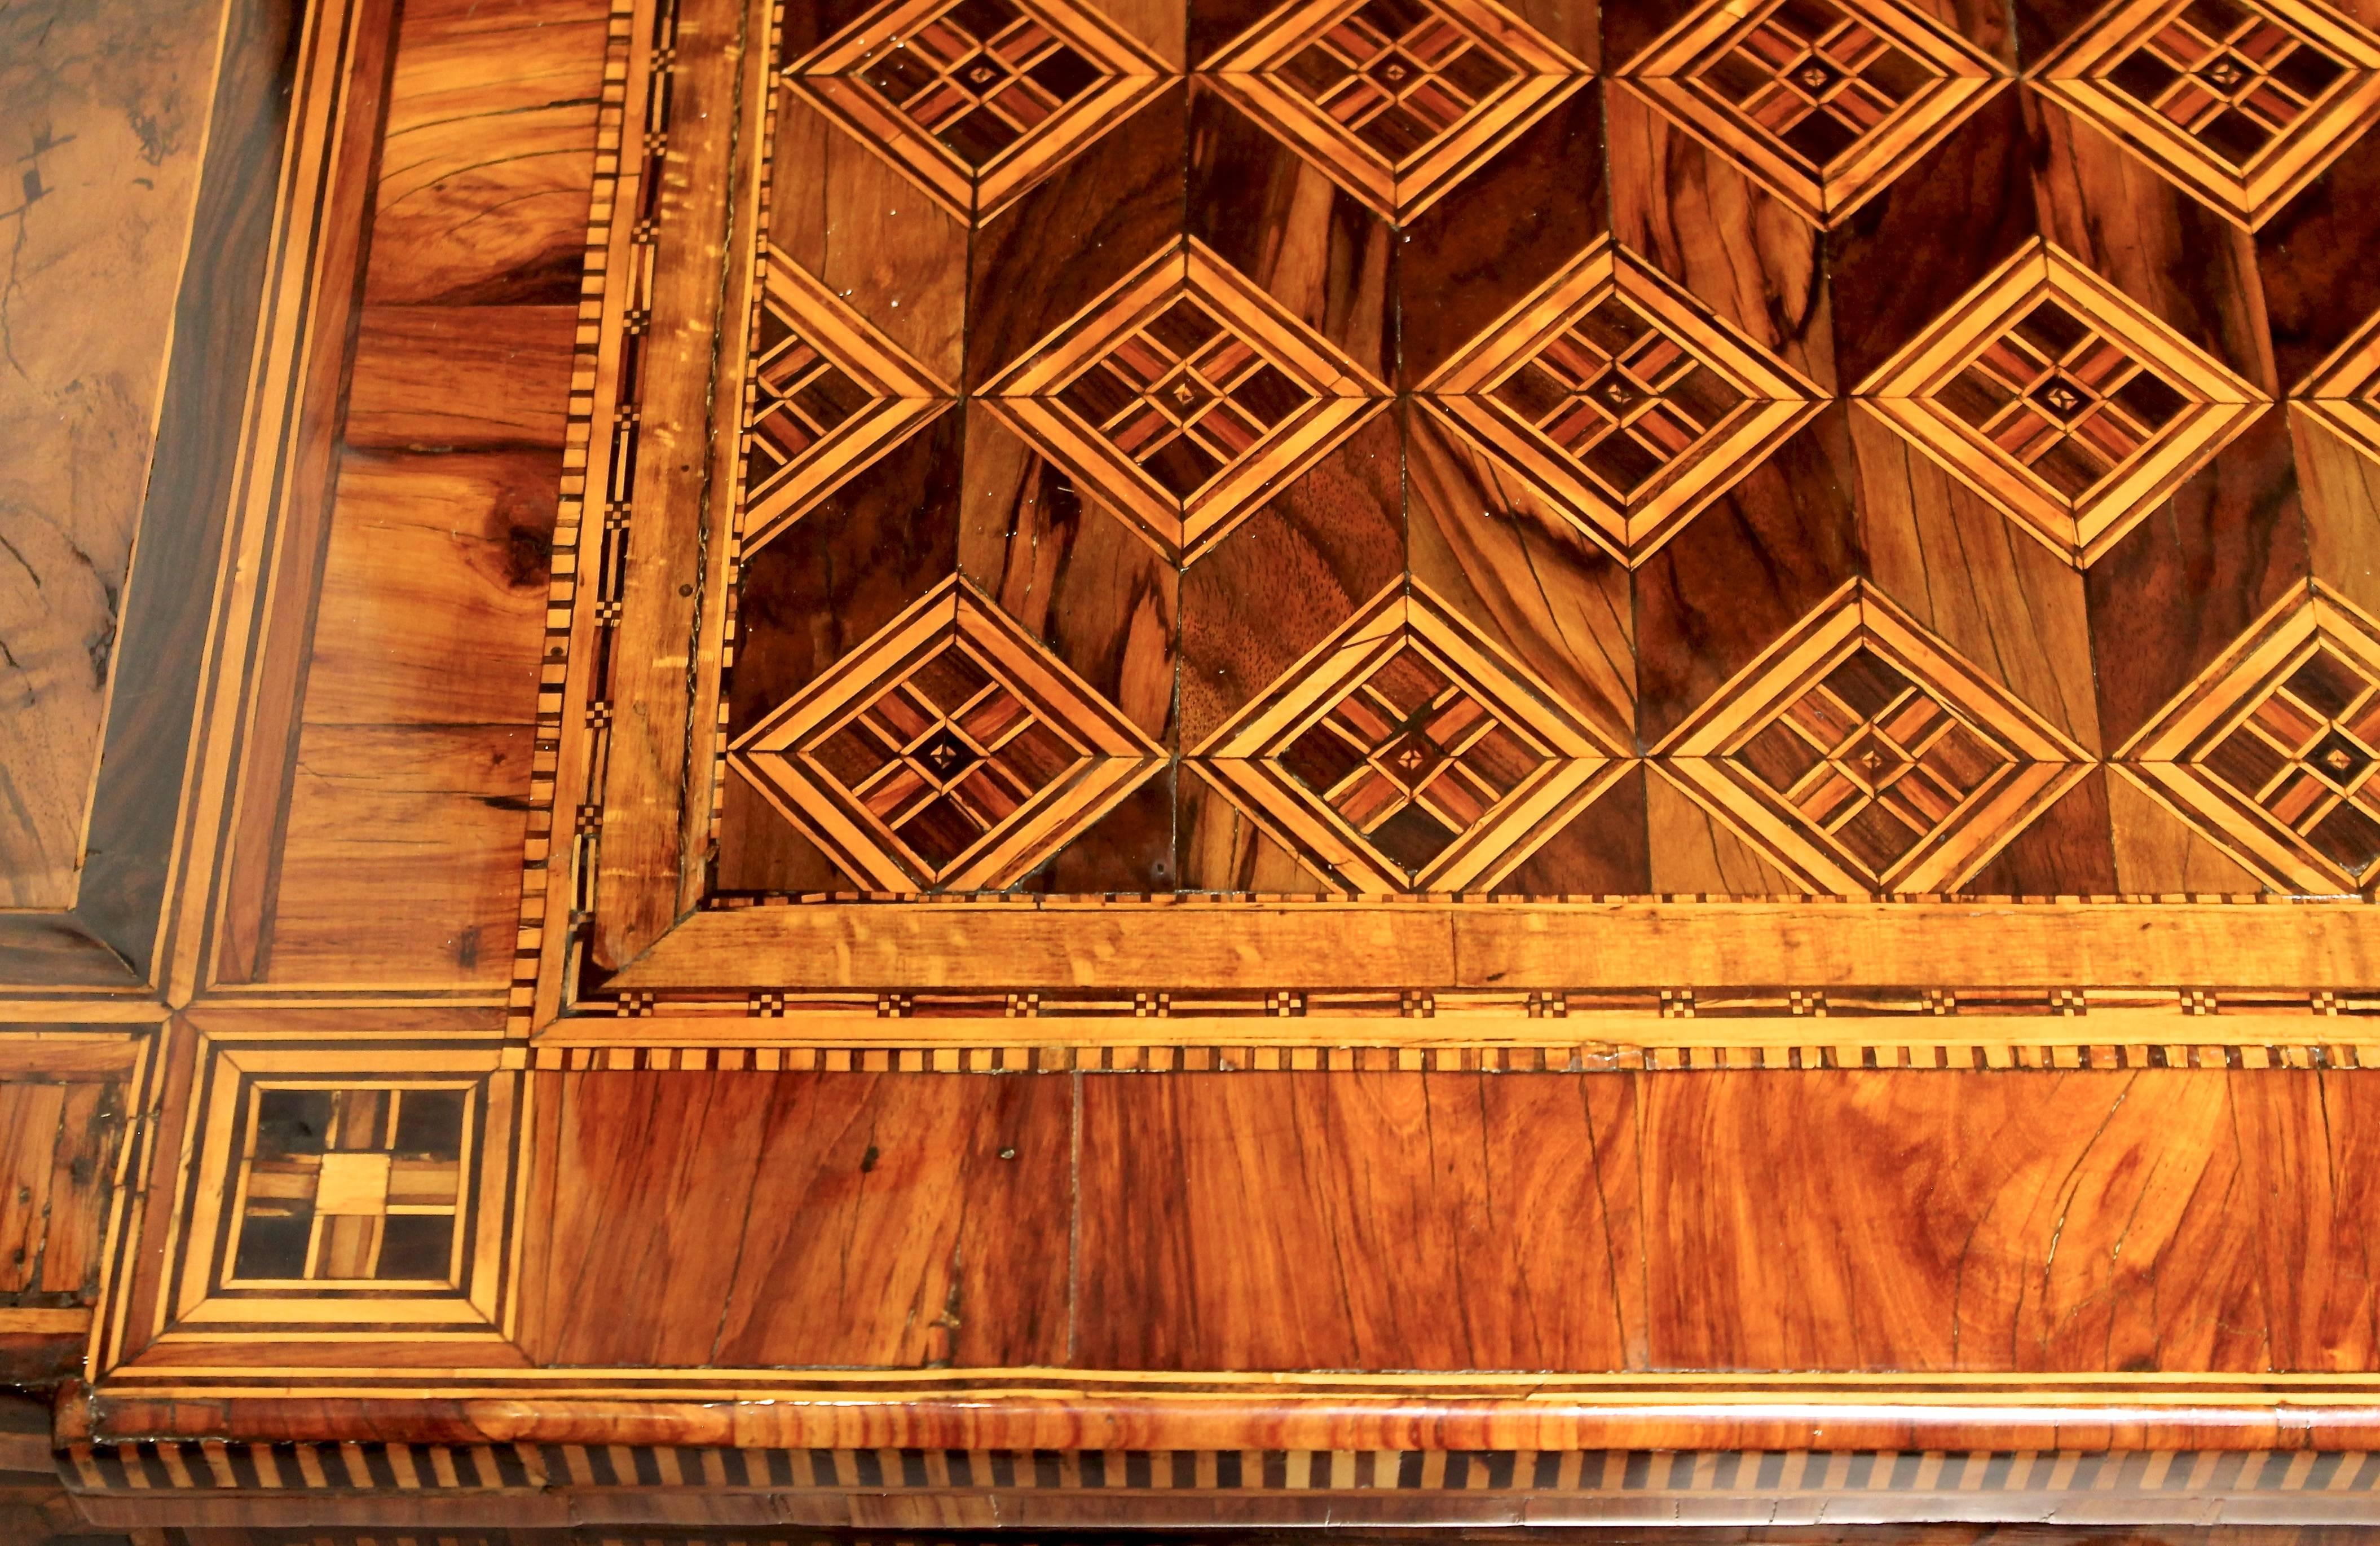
x=1185 y=396
x=1408 y=754
x=2057 y=398
x=1397 y=100
x=951 y=752
x=1623 y=399
x=2273 y=751
x=2240 y=102
x=1862 y=755
x=828 y=395
x=979 y=99
x=1825 y=101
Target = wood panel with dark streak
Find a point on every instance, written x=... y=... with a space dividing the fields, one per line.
x=1968 y=1223
x=750 y=1219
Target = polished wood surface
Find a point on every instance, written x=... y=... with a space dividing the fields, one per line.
x=1069 y=763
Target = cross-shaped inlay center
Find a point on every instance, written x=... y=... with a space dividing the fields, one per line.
x=2305 y=751
x=1185 y=397
x=2065 y=401
x=979 y=76
x=1411 y=759
x=946 y=756
x=2225 y=73
x=1622 y=394
x=2231 y=76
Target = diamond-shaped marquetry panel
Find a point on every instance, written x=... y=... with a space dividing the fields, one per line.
x=2060 y=400
x=951 y=752
x=979 y=100
x=829 y=393
x=1825 y=101
x=2240 y=102
x=1185 y=396
x=2344 y=394
x=1409 y=755
x=337 y=1185
x=1863 y=756
x=2273 y=752
x=1397 y=100
x=1627 y=402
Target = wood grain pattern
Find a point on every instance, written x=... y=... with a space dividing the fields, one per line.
x=826 y=1219
x=105 y=126
x=451 y=452
x=1047 y=762
x=2062 y=1256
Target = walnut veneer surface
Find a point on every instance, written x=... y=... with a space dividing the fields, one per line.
x=965 y=763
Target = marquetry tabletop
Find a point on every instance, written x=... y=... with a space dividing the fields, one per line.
x=947 y=763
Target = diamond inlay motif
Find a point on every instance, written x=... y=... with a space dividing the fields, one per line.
x=1185 y=396
x=1863 y=756
x=2240 y=102
x=2344 y=394
x=1625 y=400
x=828 y=395
x=1397 y=100
x=979 y=99
x=2273 y=751
x=1826 y=100
x=1409 y=755
x=2055 y=396
x=950 y=752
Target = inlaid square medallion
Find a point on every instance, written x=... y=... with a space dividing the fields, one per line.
x=356 y=1184
x=1625 y=401
x=2242 y=102
x=1397 y=100
x=1185 y=396
x=950 y=752
x=1862 y=755
x=1408 y=754
x=2061 y=399
x=2273 y=752
x=979 y=100
x=828 y=394
x=2344 y=392
x=1825 y=101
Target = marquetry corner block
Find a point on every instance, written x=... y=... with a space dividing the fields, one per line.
x=341 y=1188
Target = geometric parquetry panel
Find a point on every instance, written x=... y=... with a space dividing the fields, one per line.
x=343 y=1188
x=2344 y=392
x=1862 y=755
x=1824 y=101
x=2273 y=752
x=1407 y=753
x=1397 y=99
x=827 y=394
x=2062 y=400
x=2242 y=103
x=951 y=752
x=1185 y=396
x=1625 y=401
x=979 y=100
